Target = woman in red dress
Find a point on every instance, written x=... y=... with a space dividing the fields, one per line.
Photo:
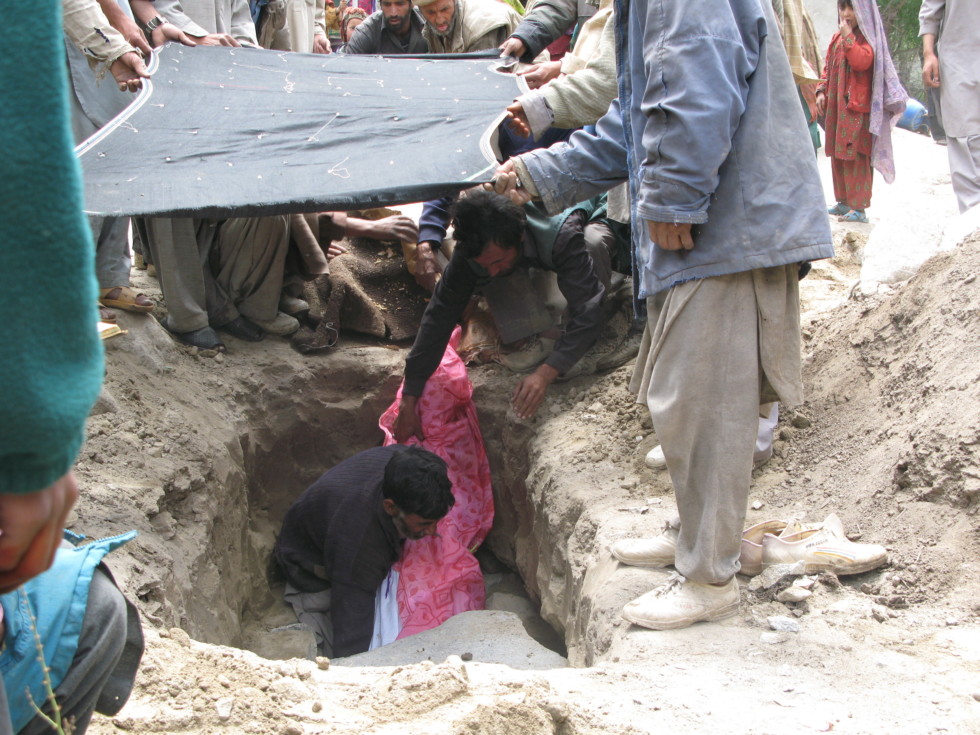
x=844 y=96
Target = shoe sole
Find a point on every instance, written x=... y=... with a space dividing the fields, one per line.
x=645 y=564
x=815 y=568
x=719 y=614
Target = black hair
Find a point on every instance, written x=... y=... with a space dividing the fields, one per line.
x=417 y=482
x=483 y=217
x=845 y=4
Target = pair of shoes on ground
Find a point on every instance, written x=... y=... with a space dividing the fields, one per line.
x=823 y=547
x=679 y=603
x=655 y=459
x=125 y=298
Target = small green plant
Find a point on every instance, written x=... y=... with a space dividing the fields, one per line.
x=55 y=722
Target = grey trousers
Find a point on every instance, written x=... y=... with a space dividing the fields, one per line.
x=313 y=610
x=248 y=261
x=179 y=248
x=714 y=351
x=108 y=654
x=964 y=168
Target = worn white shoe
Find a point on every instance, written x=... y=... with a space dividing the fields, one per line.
x=750 y=557
x=657 y=551
x=655 y=459
x=282 y=325
x=823 y=547
x=679 y=603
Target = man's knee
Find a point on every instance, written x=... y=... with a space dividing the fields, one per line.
x=600 y=244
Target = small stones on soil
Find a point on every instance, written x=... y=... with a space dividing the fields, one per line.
x=783 y=624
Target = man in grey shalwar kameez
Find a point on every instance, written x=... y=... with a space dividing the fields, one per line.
x=952 y=28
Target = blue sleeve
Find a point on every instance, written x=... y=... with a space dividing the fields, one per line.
x=434 y=220
x=697 y=67
x=586 y=165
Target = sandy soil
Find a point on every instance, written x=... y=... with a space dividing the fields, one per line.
x=203 y=454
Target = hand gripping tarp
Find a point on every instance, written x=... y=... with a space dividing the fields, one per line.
x=220 y=131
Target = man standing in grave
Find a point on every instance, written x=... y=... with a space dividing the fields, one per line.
x=342 y=535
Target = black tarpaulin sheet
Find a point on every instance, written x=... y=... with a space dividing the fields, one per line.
x=220 y=132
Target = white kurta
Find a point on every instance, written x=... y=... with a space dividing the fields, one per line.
x=956 y=24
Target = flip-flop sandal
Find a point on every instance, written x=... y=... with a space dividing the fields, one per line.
x=855 y=215
x=126 y=299
x=839 y=209
x=105 y=315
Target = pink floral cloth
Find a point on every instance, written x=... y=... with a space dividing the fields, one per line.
x=440 y=577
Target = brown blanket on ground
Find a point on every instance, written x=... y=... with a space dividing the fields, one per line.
x=370 y=290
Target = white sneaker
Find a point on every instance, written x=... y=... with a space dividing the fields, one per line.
x=282 y=325
x=750 y=557
x=655 y=459
x=679 y=603
x=658 y=551
x=823 y=547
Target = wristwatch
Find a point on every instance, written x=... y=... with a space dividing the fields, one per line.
x=155 y=23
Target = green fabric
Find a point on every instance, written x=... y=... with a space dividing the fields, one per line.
x=544 y=228
x=50 y=355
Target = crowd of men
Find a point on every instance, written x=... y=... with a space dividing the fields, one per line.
x=724 y=202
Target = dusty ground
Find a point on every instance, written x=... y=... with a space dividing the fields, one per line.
x=203 y=455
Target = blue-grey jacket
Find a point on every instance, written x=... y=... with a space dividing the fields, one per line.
x=707 y=131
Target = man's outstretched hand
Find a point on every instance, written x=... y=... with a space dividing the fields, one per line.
x=507 y=183
x=530 y=392
x=31 y=526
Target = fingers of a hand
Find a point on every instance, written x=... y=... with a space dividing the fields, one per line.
x=527 y=404
x=139 y=42
x=687 y=242
x=523 y=397
x=519 y=197
x=138 y=66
